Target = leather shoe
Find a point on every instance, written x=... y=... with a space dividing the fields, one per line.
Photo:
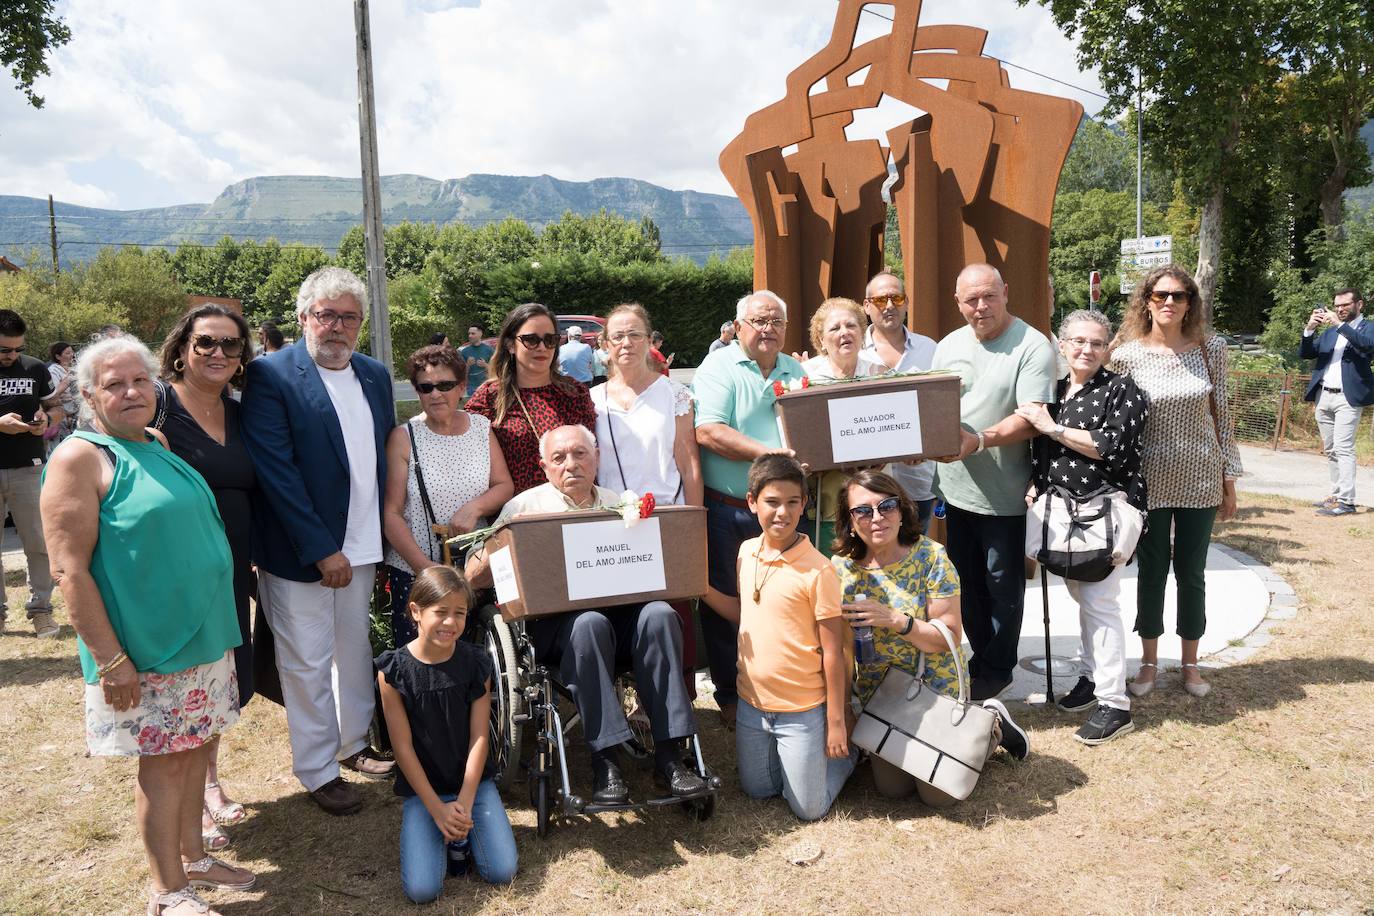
x=368 y=765
x=985 y=687
x=338 y=798
x=679 y=779
x=609 y=786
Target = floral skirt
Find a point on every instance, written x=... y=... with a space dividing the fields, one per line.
x=175 y=712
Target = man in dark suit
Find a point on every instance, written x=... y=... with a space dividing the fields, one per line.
x=1341 y=386
x=315 y=418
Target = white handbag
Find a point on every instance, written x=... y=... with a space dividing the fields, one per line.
x=1082 y=538
x=941 y=741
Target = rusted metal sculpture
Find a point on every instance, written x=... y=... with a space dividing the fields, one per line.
x=976 y=174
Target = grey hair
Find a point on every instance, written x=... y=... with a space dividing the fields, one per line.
x=742 y=305
x=1092 y=315
x=586 y=435
x=727 y=325
x=575 y=330
x=94 y=356
x=330 y=283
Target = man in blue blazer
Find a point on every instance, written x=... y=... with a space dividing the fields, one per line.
x=1342 y=386
x=315 y=419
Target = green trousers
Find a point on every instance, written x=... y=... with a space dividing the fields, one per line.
x=1191 y=531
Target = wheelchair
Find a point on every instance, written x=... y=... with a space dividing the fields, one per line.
x=525 y=707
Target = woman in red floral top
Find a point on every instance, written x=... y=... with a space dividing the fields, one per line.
x=526 y=396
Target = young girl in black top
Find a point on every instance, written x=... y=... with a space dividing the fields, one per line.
x=436 y=695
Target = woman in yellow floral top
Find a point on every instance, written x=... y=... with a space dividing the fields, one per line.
x=906 y=580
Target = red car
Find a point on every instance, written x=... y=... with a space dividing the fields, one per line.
x=590 y=325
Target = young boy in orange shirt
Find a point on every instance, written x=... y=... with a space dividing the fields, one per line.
x=791 y=734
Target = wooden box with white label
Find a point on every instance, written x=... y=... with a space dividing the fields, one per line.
x=554 y=562
x=873 y=421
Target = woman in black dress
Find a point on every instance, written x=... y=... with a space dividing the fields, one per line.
x=201 y=358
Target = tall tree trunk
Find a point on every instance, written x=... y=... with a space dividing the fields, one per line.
x=1209 y=245
x=1333 y=194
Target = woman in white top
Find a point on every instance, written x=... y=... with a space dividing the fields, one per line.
x=837 y=334
x=645 y=427
x=455 y=455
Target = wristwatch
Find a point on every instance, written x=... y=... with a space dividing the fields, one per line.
x=1057 y=434
x=910 y=622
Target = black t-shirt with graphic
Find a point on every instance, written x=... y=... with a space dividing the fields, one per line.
x=23 y=386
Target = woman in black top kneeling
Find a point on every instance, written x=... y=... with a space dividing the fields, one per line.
x=436 y=695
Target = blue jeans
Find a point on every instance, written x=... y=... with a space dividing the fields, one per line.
x=783 y=753
x=424 y=854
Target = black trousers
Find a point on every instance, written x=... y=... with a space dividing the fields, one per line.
x=988 y=553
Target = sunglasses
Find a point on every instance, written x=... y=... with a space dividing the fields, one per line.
x=445 y=386
x=534 y=341
x=1158 y=296
x=205 y=345
x=6 y=351
x=886 y=301
x=886 y=507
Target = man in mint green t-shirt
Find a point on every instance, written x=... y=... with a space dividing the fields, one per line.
x=1002 y=363
x=735 y=425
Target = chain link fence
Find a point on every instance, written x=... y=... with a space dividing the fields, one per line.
x=1268 y=409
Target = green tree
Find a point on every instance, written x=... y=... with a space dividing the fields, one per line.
x=1103 y=157
x=1345 y=260
x=53 y=306
x=29 y=33
x=405 y=246
x=1204 y=68
x=138 y=283
x=228 y=268
x=1085 y=235
x=604 y=236
x=276 y=297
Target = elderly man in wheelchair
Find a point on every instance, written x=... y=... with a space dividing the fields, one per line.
x=585 y=649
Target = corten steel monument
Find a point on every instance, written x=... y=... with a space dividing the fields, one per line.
x=976 y=174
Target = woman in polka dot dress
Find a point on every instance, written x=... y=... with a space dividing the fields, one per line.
x=526 y=396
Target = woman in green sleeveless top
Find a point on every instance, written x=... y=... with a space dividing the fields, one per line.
x=139 y=551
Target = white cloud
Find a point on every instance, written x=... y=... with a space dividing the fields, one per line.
x=199 y=95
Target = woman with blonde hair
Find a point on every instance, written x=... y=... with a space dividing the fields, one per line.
x=1189 y=458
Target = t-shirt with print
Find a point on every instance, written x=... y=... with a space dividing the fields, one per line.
x=923 y=573
x=995 y=376
x=23 y=386
x=780 y=665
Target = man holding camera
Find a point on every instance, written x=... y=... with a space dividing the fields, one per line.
x=1341 y=387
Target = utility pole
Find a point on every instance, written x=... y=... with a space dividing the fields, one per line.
x=1139 y=159
x=52 y=232
x=372 y=192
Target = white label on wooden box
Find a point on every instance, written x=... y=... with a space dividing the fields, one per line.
x=873 y=427
x=503 y=575
x=605 y=559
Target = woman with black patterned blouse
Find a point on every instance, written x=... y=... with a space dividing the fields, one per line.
x=1191 y=462
x=1090 y=442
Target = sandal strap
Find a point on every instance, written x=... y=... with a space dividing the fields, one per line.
x=186 y=894
x=204 y=864
x=1149 y=665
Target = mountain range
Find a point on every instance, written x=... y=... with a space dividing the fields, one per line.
x=317 y=210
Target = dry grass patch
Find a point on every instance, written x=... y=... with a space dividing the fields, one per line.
x=1254 y=799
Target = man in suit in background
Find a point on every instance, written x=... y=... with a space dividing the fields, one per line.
x=315 y=420
x=1342 y=387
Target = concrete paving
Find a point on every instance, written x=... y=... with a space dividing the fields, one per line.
x=1300 y=475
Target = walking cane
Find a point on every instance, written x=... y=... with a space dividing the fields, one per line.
x=1049 y=669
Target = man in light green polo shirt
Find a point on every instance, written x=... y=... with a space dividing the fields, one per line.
x=1002 y=362
x=735 y=424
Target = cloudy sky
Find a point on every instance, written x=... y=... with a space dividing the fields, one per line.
x=165 y=102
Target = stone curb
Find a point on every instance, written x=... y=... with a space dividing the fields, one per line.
x=1283 y=606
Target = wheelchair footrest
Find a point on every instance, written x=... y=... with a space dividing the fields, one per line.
x=664 y=801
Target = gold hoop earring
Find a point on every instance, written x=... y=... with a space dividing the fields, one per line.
x=179 y=364
x=238 y=373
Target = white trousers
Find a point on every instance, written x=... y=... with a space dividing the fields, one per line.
x=1102 y=654
x=1337 y=420
x=325 y=662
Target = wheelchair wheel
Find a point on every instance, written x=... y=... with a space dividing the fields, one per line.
x=508 y=701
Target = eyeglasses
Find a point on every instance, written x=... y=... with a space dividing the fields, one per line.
x=1085 y=343
x=205 y=345
x=445 y=386
x=627 y=336
x=6 y=351
x=534 y=341
x=886 y=507
x=350 y=320
x=765 y=324
x=1158 y=296
x=883 y=302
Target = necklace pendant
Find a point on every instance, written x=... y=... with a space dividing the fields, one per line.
x=756 y=595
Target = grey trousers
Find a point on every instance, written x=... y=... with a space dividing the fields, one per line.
x=1338 y=419
x=587 y=648
x=19 y=496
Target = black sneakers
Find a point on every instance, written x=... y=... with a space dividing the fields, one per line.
x=1105 y=724
x=986 y=688
x=1014 y=738
x=1081 y=697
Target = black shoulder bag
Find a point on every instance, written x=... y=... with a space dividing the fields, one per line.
x=424 y=491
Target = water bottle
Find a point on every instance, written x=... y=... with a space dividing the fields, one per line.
x=458 y=857
x=939 y=510
x=864 y=651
